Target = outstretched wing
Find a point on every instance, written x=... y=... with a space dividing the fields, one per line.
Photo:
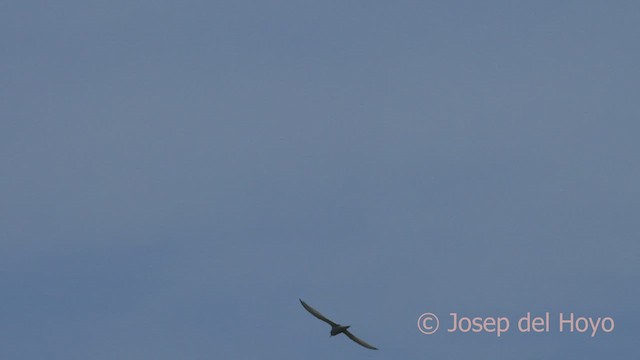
x=317 y=314
x=359 y=341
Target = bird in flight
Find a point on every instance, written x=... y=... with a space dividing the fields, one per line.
x=335 y=327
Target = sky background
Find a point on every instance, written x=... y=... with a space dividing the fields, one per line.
x=174 y=175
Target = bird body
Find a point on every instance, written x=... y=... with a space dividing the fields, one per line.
x=335 y=327
x=338 y=329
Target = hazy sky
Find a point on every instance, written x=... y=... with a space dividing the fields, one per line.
x=175 y=175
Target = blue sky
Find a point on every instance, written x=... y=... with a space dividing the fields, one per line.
x=175 y=175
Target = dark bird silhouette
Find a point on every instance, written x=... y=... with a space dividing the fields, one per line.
x=335 y=327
